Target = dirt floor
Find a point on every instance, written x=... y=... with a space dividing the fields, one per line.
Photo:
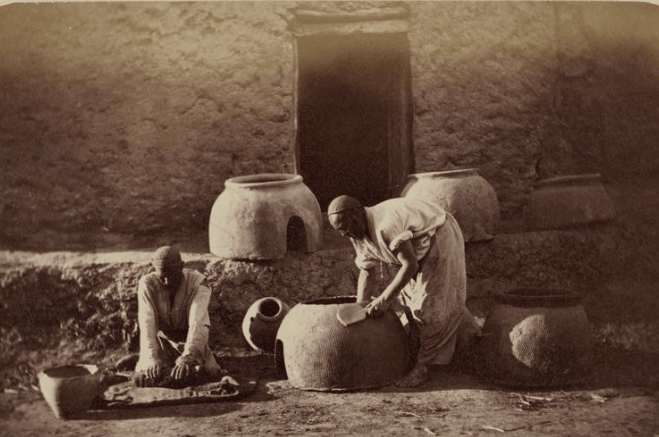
x=620 y=398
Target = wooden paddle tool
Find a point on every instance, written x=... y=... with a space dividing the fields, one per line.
x=350 y=314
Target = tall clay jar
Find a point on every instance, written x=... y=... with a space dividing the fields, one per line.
x=262 y=216
x=262 y=322
x=537 y=338
x=463 y=193
x=568 y=201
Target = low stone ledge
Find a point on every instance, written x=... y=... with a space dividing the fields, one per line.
x=90 y=297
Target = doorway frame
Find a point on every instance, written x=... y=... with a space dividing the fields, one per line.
x=304 y=23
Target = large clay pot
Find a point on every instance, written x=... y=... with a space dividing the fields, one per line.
x=537 y=338
x=70 y=390
x=463 y=193
x=262 y=322
x=262 y=216
x=568 y=201
x=317 y=352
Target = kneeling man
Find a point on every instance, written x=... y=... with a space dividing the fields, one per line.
x=174 y=324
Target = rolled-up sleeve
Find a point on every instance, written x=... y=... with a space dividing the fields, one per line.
x=199 y=327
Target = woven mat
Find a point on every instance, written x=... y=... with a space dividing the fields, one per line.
x=126 y=395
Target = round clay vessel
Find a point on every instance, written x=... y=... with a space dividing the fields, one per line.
x=316 y=351
x=568 y=201
x=537 y=338
x=262 y=322
x=70 y=390
x=263 y=216
x=463 y=193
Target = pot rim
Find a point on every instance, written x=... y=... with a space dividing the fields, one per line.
x=52 y=372
x=263 y=180
x=445 y=173
x=570 y=180
x=270 y=318
x=334 y=300
x=539 y=297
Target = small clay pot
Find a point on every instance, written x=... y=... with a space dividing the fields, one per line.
x=464 y=194
x=262 y=322
x=568 y=201
x=316 y=350
x=537 y=338
x=262 y=216
x=70 y=390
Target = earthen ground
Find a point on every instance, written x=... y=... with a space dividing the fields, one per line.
x=620 y=398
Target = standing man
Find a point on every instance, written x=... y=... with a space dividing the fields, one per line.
x=174 y=323
x=427 y=245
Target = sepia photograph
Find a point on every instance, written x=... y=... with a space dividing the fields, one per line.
x=329 y=218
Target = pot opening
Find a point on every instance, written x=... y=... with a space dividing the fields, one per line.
x=263 y=180
x=269 y=308
x=332 y=300
x=570 y=180
x=445 y=174
x=68 y=372
x=547 y=297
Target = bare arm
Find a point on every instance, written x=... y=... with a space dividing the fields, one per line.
x=409 y=267
x=364 y=285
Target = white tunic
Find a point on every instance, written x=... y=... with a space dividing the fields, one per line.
x=436 y=295
x=188 y=314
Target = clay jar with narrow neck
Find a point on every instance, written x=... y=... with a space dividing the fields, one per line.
x=262 y=321
x=262 y=216
x=464 y=194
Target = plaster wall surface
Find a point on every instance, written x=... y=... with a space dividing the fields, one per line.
x=127 y=117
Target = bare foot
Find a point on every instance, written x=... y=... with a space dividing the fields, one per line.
x=417 y=376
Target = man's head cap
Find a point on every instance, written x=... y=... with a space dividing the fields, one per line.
x=166 y=256
x=342 y=204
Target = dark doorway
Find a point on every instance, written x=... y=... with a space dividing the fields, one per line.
x=354 y=116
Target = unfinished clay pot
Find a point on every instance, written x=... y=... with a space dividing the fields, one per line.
x=262 y=322
x=537 y=338
x=568 y=201
x=317 y=350
x=262 y=216
x=70 y=390
x=463 y=193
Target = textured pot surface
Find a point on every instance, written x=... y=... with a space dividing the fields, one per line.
x=262 y=216
x=70 y=390
x=262 y=322
x=568 y=201
x=317 y=352
x=463 y=193
x=537 y=338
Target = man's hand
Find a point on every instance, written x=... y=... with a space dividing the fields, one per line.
x=148 y=377
x=154 y=371
x=377 y=307
x=182 y=370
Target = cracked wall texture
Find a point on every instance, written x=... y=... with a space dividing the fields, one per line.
x=127 y=118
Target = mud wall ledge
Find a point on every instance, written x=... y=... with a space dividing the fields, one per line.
x=56 y=298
